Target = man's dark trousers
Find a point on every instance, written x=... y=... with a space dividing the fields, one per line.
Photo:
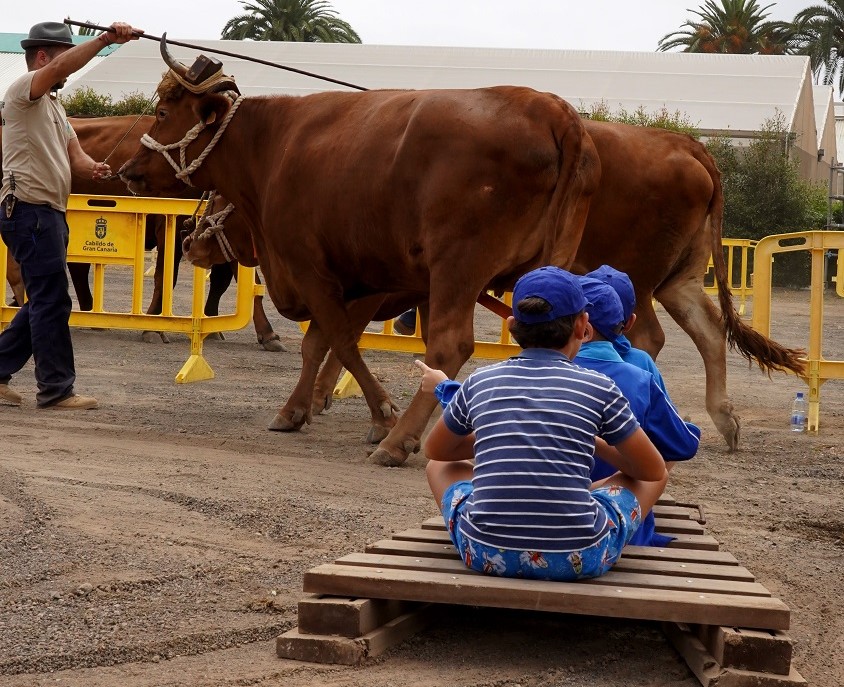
x=36 y=236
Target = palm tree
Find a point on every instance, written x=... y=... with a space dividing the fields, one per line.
x=307 y=21
x=822 y=37
x=733 y=26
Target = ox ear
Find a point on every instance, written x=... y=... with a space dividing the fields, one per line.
x=212 y=107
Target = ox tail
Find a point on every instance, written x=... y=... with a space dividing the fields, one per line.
x=766 y=353
x=577 y=181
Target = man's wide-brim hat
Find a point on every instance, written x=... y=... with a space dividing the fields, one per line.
x=48 y=33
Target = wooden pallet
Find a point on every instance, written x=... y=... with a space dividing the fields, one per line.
x=728 y=627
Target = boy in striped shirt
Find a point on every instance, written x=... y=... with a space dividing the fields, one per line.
x=511 y=455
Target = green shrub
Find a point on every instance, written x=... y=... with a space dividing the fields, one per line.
x=87 y=102
x=662 y=118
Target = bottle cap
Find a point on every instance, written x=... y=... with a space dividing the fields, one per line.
x=799 y=394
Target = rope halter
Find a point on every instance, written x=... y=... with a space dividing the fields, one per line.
x=214 y=225
x=184 y=170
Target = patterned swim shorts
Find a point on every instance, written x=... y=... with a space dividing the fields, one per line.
x=623 y=514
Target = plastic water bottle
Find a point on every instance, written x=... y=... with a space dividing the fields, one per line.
x=798 y=413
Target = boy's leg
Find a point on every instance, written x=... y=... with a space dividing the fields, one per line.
x=441 y=475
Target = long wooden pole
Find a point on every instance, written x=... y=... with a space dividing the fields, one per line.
x=86 y=25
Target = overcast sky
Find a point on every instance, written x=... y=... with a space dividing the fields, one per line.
x=557 y=24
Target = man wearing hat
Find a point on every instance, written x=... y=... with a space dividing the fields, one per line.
x=40 y=151
x=675 y=439
x=510 y=457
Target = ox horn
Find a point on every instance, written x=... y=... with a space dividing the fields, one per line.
x=172 y=62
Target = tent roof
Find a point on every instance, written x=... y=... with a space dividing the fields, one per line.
x=716 y=92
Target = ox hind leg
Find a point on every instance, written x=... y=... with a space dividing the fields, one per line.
x=684 y=299
x=450 y=343
x=346 y=327
x=156 y=230
x=647 y=332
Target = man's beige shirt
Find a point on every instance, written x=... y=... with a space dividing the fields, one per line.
x=35 y=138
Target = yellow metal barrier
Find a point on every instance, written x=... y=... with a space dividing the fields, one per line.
x=818 y=370
x=743 y=288
x=109 y=231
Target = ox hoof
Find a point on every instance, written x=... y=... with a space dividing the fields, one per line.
x=281 y=423
x=381 y=456
x=377 y=434
x=321 y=404
x=155 y=337
x=272 y=343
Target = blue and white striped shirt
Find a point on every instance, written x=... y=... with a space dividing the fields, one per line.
x=535 y=418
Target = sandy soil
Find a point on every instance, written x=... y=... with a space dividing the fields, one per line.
x=161 y=540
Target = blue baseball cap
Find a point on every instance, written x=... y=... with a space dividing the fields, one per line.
x=605 y=311
x=621 y=284
x=559 y=288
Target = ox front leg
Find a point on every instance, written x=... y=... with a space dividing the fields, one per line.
x=693 y=310
x=450 y=343
x=297 y=411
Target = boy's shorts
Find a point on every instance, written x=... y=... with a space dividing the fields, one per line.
x=623 y=516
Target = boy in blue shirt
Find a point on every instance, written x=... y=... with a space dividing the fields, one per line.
x=622 y=285
x=674 y=439
x=511 y=456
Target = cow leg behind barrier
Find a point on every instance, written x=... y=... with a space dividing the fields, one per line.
x=13 y=276
x=269 y=340
x=79 y=276
x=221 y=279
x=157 y=227
x=694 y=311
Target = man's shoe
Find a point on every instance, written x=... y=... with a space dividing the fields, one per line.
x=9 y=396
x=75 y=402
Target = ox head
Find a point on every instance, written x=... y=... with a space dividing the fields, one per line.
x=192 y=102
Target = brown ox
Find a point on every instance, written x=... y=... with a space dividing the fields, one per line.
x=438 y=193
x=657 y=216
x=116 y=138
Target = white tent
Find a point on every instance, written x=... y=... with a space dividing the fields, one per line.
x=729 y=95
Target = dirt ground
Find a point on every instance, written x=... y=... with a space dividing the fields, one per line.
x=161 y=540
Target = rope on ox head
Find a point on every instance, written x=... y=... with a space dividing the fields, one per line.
x=184 y=170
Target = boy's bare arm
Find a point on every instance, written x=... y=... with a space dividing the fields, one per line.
x=444 y=445
x=635 y=457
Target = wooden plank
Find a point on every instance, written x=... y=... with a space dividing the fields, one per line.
x=319 y=648
x=681 y=541
x=666 y=500
x=615 y=577
x=298 y=646
x=674 y=554
x=677 y=512
x=560 y=597
x=766 y=651
x=658 y=565
x=678 y=526
x=409 y=547
x=348 y=617
x=711 y=674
